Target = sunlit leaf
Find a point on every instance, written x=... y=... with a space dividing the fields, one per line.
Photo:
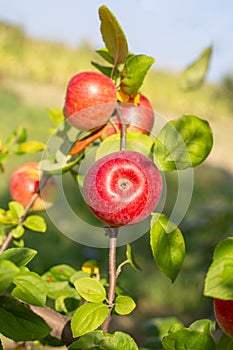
x=30 y=147
x=62 y=272
x=56 y=115
x=219 y=278
x=182 y=143
x=18 y=231
x=16 y=209
x=136 y=141
x=90 y=289
x=196 y=337
x=131 y=258
x=194 y=75
x=30 y=287
x=134 y=72
x=35 y=223
x=167 y=244
x=8 y=271
x=113 y=36
x=87 y=318
x=19 y=256
x=124 y=305
x=104 y=341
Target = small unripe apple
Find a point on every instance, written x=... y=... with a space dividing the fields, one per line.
x=223 y=310
x=122 y=188
x=25 y=182
x=139 y=117
x=90 y=100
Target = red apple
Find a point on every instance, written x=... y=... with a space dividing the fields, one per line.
x=139 y=117
x=223 y=310
x=122 y=188
x=90 y=100
x=24 y=183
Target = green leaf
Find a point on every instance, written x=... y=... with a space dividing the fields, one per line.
x=16 y=210
x=55 y=289
x=90 y=289
x=5 y=217
x=131 y=258
x=182 y=143
x=19 y=242
x=105 y=55
x=30 y=147
x=19 y=323
x=225 y=343
x=19 y=256
x=103 y=69
x=87 y=318
x=104 y=341
x=196 y=337
x=8 y=271
x=124 y=305
x=62 y=272
x=219 y=278
x=67 y=302
x=88 y=341
x=194 y=75
x=136 y=141
x=18 y=231
x=56 y=116
x=35 y=223
x=30 y=288
x=113 y=36
x=134 y=72
x=160 y=326
x=77 y=275
x=61 y=167
x=18 y=136
x=167 y=244
x=3 y=157
x=118 y=340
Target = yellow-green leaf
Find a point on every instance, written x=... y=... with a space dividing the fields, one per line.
x=113 y=35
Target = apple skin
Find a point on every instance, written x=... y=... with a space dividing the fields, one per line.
x=122 y=188
x=90 y=100
x=223 y=310
x=24 y=183
x=140 y=117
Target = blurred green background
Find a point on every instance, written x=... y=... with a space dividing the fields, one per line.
x=33 y=77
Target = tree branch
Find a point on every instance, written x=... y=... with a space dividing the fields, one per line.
x=112 y=232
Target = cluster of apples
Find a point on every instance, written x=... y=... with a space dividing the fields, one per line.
x=124 y=187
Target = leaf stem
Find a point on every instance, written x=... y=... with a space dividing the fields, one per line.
x=112 y=232
x=43 y=182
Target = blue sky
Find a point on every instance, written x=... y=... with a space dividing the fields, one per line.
x=172 y=31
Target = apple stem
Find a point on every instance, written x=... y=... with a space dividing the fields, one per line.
x=112 y=232
x=9 y=237
x=123 y=128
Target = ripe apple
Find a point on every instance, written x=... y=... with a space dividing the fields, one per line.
x=90 y=100
x=223 y=310
x=122 y=188
x=25 y=182
x=139 y=117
